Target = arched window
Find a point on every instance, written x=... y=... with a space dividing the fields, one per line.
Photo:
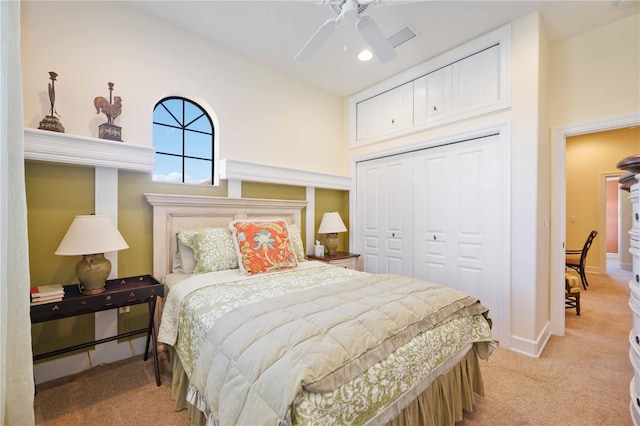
x=183 y=136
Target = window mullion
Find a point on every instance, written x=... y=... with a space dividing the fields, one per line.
x=184 y=163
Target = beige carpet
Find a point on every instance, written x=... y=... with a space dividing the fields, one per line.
x=580 y=379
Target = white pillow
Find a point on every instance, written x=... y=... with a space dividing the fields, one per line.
x=183 y=259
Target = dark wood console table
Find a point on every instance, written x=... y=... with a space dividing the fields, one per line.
x=119 y=293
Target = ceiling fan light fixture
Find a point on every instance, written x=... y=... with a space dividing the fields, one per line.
x=350 y=10
x=365 y=55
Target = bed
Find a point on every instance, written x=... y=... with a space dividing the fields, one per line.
x=303 y=342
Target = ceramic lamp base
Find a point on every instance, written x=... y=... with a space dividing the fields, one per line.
x=92 y=271
x=331 y=241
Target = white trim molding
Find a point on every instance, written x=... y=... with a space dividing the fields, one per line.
x=559 y=137
x=255 y=172
x=54 y=147
x=531 y=348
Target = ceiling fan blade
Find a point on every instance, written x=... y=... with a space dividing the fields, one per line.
x=381 y=47
x=316 y=40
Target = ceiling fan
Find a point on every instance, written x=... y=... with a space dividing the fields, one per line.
x=350 y=11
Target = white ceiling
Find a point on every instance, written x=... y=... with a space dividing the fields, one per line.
x=272 y=32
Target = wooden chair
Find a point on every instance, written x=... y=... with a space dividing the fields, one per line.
x=576 y=259
x=572 y=292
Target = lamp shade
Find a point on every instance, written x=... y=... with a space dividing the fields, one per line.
x=331 y=223
x=91 y=234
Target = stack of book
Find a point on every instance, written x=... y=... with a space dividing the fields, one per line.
x=46 y=294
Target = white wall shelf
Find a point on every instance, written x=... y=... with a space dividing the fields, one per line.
x=254 y=172
x=63 y=148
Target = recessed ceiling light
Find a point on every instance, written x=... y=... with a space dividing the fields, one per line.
x=365 y=55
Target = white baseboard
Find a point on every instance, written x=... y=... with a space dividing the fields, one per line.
x=531 y=348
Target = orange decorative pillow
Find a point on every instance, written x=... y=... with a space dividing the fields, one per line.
x=263 y=245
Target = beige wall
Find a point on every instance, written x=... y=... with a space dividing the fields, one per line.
x=589 y=159
x=596 y=74
x=264 y=116
x=543 y=258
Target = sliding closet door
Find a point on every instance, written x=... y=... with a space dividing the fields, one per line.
x=384 y=215
x=459 y=217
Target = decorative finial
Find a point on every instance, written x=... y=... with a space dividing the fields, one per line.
x=50 y=122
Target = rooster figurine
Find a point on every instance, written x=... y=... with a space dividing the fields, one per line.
x=111 y=110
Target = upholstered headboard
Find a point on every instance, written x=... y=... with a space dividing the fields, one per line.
x=175 y=213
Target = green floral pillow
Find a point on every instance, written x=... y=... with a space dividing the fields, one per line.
x=296 y=241
x=213 y=249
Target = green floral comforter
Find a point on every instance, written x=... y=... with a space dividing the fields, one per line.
x=186 y=321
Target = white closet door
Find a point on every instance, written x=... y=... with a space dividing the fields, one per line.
x=432 y=228
x=459 y=217
x=384 y=215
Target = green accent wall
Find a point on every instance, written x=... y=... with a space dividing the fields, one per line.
x=272 y=191
x=57 y=193
x=327 y=200
x=333 y=200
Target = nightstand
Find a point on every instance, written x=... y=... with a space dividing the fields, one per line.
x=118 y=293
x=341 y=258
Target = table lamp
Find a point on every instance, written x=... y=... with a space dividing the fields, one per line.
x=90 y=236
x=330 y=226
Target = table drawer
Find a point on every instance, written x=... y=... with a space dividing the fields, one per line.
x=345 y=263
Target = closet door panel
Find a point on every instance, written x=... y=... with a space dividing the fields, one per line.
x=368 y=218
x=397 y=112
x=430 y=217
x=432 y=96
x=476 y=81
x=478 y=227
x=469 y=202
x=385 y=223
x=397 y=220
x=394 y=265
x=469 y=279
x=372 y=262
x=370 y=117
x=394 y=199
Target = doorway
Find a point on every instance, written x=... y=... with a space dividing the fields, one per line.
x=558 y=204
